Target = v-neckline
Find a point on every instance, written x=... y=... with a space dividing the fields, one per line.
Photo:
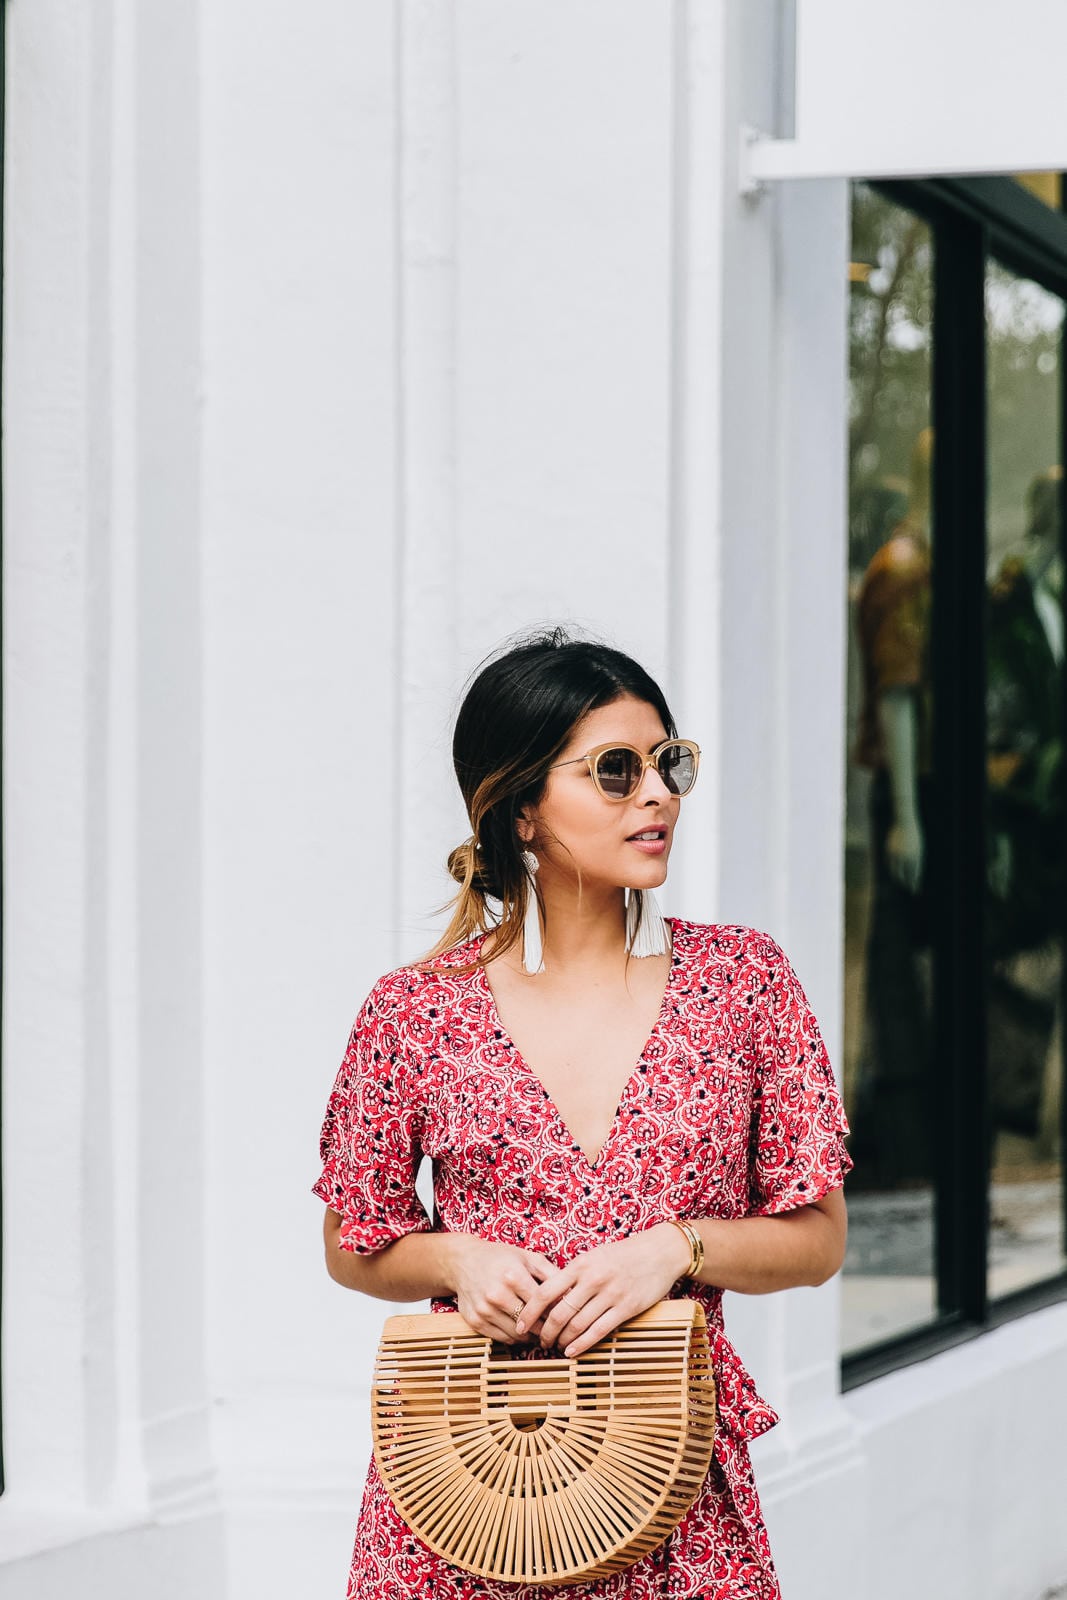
x=592 y=1163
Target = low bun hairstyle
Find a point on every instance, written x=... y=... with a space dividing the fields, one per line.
x=516 y=718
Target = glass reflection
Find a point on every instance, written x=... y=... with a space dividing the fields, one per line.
x=889 y=1271
x=1044 y=186
x=1026 y=877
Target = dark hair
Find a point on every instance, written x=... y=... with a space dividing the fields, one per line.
x=517 y=716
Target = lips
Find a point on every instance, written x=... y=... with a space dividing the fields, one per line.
x=650 y=841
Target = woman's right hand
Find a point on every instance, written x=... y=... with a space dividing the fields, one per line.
x=492 y=1281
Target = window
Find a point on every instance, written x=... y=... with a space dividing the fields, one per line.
x=956 y=829
x=1025 y=881
x=888 y=977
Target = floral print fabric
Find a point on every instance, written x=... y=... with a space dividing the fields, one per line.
x=731 y=1111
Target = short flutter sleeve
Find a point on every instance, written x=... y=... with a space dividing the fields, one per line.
x=797 y=1151
x=370 y=1142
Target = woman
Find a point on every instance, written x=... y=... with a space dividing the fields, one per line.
x=581 y=1073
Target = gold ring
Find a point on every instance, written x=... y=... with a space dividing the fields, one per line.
x=517 y=1313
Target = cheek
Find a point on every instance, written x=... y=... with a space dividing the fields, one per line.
x=581 y=819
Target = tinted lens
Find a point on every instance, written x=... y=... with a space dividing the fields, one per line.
x=618 y=772
x=678 y=768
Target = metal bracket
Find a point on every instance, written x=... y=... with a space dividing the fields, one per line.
x=750 y=187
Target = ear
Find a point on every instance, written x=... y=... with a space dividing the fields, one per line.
x=525 y=826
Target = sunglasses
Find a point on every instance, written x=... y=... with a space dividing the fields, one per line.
x=617 y=769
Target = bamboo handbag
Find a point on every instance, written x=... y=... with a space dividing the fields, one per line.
x=544 y=1470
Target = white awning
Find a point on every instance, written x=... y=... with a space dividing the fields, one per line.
x=917 y=88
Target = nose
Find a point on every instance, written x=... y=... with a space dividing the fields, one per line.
x=652 y=791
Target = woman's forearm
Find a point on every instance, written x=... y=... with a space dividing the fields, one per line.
x=413 y=1268
x=751 y=1255
x=757 y=1255
x=490 y=1282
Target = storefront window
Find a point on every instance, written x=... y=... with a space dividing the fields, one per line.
x=1027 y=880
x=889 y=1283
x=956 y=822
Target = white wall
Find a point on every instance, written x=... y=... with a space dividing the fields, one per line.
x=105 y=1389
x=411 y=302
x=278 y=474
x=340 y=343
x=963 y=1469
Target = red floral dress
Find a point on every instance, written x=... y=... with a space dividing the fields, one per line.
x=731 y=1111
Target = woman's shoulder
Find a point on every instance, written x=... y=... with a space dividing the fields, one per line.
x=718 y=942
x=421 y=987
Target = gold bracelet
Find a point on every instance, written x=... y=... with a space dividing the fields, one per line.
x=695 y=1243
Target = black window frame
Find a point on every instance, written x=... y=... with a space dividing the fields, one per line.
x=972 y=220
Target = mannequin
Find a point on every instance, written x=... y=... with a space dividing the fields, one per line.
x=1025 y=763
x=1043 y=560
x=1026 y=870
x=893 y=616
x=894 y=612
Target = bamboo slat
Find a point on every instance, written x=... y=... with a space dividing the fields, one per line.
x=544 y=1470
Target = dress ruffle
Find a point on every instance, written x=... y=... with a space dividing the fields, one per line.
x=741 y=1414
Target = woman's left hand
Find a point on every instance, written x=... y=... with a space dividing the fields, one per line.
x=583 y=1301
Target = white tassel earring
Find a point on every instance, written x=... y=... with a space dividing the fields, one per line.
x=532 y=950
x=646 y=931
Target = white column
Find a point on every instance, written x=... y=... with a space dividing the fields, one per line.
x=779 y=679
x=304 y=778
x=173 y=1215
x=50 y=1234
x=563 y=319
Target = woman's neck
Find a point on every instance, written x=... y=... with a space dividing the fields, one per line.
x=582 y=930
